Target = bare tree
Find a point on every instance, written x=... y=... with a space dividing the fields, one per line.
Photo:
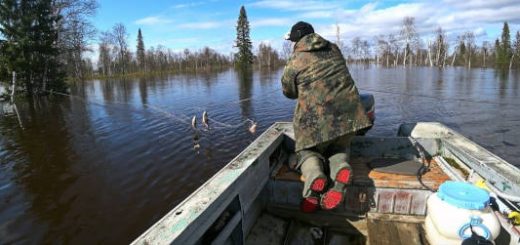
x=286 y=50
x=383 y=49
x=409 y=36
x=356 y=48
x=75 y=31
x=105 y=58
x=485 y=52
x=439 y=47
x=338 y=38
x=394 y=45
x=365 y=51
x=120 y=36
x=469 y=38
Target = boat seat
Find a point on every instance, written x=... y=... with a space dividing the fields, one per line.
x=365 y=175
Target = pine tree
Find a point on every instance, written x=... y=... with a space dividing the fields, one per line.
x=244 y=57
x=140 y=51
x=504 y=53
x=516 y=48
x=30 y=49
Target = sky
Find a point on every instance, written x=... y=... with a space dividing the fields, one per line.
x=194 y=24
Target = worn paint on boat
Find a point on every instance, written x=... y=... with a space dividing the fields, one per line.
x=254 y=198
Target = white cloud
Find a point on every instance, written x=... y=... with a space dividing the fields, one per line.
x=321 y=14
x=187 y=5
x=153 y=20
x=483 y=17
x=453 y=16
x=203 y=25
x=291 y=5
x=467 y=4
x=271 y=22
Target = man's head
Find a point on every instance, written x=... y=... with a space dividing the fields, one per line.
x=298 y=31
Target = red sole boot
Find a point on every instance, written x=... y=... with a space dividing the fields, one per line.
x=332 y=198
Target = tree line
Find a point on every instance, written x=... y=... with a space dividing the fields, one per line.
x=407 y=48
x=46 y=42
x=116 y=58
x=43 y=41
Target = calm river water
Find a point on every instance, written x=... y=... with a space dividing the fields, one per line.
x=102 y=166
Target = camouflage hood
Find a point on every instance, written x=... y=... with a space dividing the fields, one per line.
x=311 y=42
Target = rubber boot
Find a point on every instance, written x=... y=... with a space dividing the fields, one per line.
x=315 y=183
x=340 y=173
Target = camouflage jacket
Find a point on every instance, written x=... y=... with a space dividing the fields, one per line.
x=328 y=101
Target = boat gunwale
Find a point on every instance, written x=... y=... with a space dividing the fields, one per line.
x=276 y=130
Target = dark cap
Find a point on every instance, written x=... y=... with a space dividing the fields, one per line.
x=300 y=30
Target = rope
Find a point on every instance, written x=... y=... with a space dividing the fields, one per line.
x=424 y=168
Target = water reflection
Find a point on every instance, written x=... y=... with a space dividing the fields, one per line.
x=43 y=169
x=245 y=87
x=78 y=165
x=143 y=91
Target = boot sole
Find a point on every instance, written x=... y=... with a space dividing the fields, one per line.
x=318 y=185
x=309 y=205
x=332 y=198
x=343 y=176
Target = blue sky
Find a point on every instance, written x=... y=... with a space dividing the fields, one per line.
x=195 y=24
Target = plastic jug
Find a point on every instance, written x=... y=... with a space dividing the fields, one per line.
x=455 y=210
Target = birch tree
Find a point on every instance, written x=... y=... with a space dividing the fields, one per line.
x=469 y=38
x=409 y=36
x=440 y=47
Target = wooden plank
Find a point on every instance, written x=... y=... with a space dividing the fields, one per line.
x=394 y=233
x=397 y=218
x=363 y=174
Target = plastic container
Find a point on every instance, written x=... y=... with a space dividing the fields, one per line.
x=455 y=208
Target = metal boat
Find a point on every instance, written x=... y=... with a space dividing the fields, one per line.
x=255 y=198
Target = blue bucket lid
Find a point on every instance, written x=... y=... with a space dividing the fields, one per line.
x=463 y=195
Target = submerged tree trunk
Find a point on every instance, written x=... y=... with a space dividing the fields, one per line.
x=13 y=87
x=430 y=54
x=454 y=56
x=405 y=56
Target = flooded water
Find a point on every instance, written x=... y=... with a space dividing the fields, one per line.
x=102 y=166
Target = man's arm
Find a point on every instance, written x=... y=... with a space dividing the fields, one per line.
x=290 y=90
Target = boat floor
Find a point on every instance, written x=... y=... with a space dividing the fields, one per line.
x=364 y=175
x=287 y=225
x=276 y=227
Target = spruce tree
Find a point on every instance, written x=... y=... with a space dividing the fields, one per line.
x=497 y=51
x=140 y=51
x=30 y=49
x=504 y=53
x=244 y=57
x=516 y=48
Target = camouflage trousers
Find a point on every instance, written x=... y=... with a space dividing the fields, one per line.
x=330 y=157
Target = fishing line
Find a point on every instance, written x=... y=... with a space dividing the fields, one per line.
x=182 y=118
x=437 y=98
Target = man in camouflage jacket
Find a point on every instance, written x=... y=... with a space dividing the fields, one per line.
x=327 y=115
